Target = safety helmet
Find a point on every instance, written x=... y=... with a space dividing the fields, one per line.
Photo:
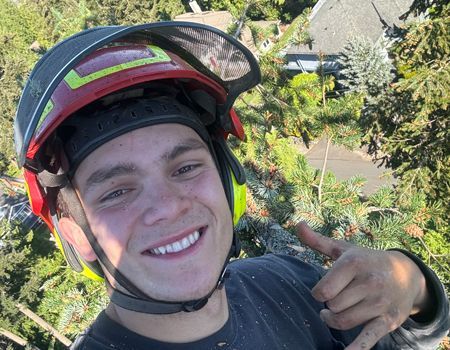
x=127 y=69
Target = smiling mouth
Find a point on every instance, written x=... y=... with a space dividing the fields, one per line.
x=177 y=246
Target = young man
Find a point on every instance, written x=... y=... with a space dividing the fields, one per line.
x=121 y=132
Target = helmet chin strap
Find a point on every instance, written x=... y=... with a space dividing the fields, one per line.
x=154 y=306
x=137 y=300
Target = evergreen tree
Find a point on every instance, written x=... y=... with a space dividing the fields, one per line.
x=285 y=10
x=365 y=67
x=110 y=12
x=254 y=9
x=408 y=124
x=23 y=33
x=18 y=254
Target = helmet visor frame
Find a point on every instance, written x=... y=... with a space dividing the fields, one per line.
x=210 y=51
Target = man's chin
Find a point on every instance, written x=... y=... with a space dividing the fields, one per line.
x=180 y=294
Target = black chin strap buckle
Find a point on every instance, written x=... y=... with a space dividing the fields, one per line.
x=194 y=305
x=225 y=275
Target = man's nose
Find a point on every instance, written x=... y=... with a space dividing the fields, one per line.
x=166 y=202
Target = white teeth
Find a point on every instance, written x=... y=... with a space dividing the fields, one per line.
x=177 y=246
x=185 y=243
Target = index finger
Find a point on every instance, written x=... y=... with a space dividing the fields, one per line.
x=331 y=247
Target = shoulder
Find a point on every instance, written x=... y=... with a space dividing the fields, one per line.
x=99 y=335
x=86 y=341
x=82 y=340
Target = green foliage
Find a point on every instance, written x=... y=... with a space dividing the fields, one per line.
x=308 y=117
x=282 y=187
x=260 y=34
x=17 y=282
x=34 y=273
x=70 y=301
x=29 y=27
x=70 y=18
x=285 y=10
x=294 y=8
x=432 y=8
x=296 y=33
x=256 y=9
x=408 y=124
x=133 y=11
x=20 y=27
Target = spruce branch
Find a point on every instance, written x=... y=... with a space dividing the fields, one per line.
x=433 y=256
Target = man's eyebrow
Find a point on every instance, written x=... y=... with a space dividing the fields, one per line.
x=101 y=175
x=183 y=147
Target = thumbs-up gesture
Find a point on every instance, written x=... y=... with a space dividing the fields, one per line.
x=377 y=289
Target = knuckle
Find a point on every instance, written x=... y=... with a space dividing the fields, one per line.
x=394 y=313
x=354 y=260
x=392 y=326
x=375 y=280
x=326 y=294
x=385 y=325
x=323 y=293
x=381 y=303
x=374 y=334
x=342 y=322
x=333 y=306
x=395 y=318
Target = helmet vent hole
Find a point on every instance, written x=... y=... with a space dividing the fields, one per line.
x=133 y=114
x=149 y=109
x=164 y=107
x=99 y=126
x=74 y=147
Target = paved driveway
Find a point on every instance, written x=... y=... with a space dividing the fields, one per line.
x=345 y=164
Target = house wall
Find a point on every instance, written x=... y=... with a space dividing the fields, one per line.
x=301 y=63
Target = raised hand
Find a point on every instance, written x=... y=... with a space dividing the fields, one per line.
x=377 y=289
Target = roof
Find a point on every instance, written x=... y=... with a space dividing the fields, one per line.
x=17 y=209
x=222 y=20
x=217 y=19
x=334 y=22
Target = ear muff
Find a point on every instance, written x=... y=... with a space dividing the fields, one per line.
x=233 y=179
x=239 y=198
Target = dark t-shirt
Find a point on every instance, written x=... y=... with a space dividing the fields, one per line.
x=271 y=307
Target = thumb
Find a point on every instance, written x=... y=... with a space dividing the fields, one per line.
x=325 y=245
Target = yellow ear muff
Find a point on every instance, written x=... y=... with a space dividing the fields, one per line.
x=239 y=199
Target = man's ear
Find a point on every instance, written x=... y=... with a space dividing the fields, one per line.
x=75 y=236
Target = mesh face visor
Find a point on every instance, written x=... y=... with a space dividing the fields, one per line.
x=208 y=50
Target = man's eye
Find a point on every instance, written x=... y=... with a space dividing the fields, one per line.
x=114 y=195
x=185 y=169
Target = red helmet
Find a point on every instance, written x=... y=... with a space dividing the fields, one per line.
x=113 y=63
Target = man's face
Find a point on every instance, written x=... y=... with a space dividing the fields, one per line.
x=155 y=202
